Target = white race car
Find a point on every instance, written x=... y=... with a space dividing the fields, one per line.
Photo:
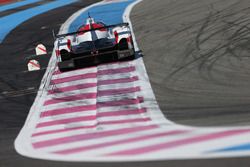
x=94 y=43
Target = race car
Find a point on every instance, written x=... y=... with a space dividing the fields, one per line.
x=94 y=43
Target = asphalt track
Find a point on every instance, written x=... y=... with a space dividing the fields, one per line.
x=10 y=11
x=15 y=109
x=197 y=58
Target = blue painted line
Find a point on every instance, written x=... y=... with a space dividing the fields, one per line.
x=17 y=4
x=242 y=147
x=8 y=23
x=107 y=13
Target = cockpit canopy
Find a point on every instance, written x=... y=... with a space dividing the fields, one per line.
x=95 y=31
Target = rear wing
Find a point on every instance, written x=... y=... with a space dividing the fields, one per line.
x=109 y=26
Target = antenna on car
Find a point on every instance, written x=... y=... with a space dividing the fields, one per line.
x=53 y=32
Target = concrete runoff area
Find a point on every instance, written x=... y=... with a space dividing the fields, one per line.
x=197 y=58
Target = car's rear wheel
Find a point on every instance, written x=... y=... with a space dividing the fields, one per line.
x=123 y=44
x=65 y=55
x=66 y=65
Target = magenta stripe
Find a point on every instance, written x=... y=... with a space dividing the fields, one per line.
x=92 y=126
x=115 y=81
x=125 y=121
x=73 y=78
x=89 y=136
x=116 y=71
x=66 y=121
x=123 y=112
x=106 y=114
x=119 y=142
x=70 y=98
x=61 y=130
x=177 y=143
x=92 y=75
x=71 y=88
x=56 y=72
x=68 y=110
x=118 y=91
x=120 y=102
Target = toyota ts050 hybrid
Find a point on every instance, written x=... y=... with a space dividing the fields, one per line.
x=94 y=43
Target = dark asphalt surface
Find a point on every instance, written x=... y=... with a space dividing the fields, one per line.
x=15 y=106
x=197 y=55
x=11 y=11
x=198 y=62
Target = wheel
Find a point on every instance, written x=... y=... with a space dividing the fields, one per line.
x=66 y=65
x=65 y=55
x=123 y=44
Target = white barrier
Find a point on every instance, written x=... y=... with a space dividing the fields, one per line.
x=33 y=65
x=41 y=50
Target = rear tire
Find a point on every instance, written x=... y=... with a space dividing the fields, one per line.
x=66 y=65
x=65 y=55
x=123 y=44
